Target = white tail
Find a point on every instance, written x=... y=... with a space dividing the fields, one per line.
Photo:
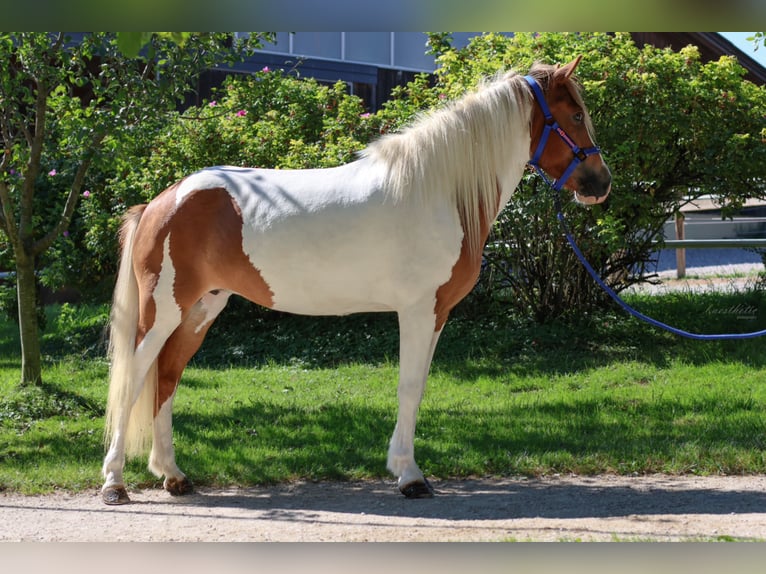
x=124 y=399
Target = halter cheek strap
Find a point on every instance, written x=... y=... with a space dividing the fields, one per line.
x=551 y=125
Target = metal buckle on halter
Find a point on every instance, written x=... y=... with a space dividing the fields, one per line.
x=551 y=124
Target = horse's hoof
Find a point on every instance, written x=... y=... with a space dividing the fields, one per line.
x=115 y=495
x=418 y=489
x=178 y=486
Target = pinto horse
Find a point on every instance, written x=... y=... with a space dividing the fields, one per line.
x=400 y=229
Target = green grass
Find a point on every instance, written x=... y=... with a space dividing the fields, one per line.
x=279 y=398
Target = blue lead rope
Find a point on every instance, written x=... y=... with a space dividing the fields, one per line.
x=617 y=299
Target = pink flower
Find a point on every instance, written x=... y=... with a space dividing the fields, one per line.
x=241 y=113
x=52 y=172
x=66 y=233
x=213 y=104
x=365 y=115
x=265 y=69
x=86 y=193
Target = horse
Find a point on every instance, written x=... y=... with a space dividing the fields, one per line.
x=401 y=229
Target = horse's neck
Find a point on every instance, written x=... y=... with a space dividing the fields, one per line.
x=509 y=181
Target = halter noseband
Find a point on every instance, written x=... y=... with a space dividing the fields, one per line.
x=551 y=124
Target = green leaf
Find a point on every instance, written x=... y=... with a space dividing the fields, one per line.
x=130 y=43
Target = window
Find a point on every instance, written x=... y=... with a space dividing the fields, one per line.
x=410 y=51
x=317 y=44
x=372 y=47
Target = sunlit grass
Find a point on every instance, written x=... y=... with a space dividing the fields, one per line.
x=316 y=399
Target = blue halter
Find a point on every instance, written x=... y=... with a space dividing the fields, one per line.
x=551 y=125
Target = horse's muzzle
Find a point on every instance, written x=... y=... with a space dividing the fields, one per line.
x=593 y=185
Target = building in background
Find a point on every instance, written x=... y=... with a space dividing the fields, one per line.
x=373 y=63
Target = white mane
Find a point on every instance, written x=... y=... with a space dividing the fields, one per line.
x=461 y=150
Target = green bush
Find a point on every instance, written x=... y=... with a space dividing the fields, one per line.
x=671 y=129
x=268 y=120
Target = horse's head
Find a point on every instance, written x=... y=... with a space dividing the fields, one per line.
x=561 y=131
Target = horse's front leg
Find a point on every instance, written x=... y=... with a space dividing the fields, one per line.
x=417 y=341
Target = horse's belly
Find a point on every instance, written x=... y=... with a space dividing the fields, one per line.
x=316 y=299
x=339 y=276
x=359 y=261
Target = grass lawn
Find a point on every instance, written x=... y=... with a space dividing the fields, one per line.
x=276 y=397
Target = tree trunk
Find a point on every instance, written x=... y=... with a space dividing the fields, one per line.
x=26 y=287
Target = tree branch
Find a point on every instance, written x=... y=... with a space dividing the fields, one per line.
x=6 y=219
x=6 y=205
x=59 y=42
x=33 y=164
x=72 y=198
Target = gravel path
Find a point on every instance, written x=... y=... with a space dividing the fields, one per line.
x=602 y=508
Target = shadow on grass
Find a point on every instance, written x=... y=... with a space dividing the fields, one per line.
x=268 y=440
x=9 y=340
x=265 y=441
x=475 y=343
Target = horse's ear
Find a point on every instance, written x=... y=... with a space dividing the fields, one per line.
x=564 y=72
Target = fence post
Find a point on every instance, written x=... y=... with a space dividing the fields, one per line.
x=680 y=252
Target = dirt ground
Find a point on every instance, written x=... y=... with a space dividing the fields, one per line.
x=560 y=508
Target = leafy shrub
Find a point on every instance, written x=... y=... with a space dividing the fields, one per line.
x=671 y=129
x=267 y=120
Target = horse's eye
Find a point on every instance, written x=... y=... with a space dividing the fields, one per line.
x=578 y=117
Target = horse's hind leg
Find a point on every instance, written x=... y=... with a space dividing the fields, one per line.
x=140 y=399
x=176 y=353
x=417 y=343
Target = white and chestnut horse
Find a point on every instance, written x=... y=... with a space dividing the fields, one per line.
x=400 y=229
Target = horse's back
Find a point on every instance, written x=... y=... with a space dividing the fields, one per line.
x=333 y=241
